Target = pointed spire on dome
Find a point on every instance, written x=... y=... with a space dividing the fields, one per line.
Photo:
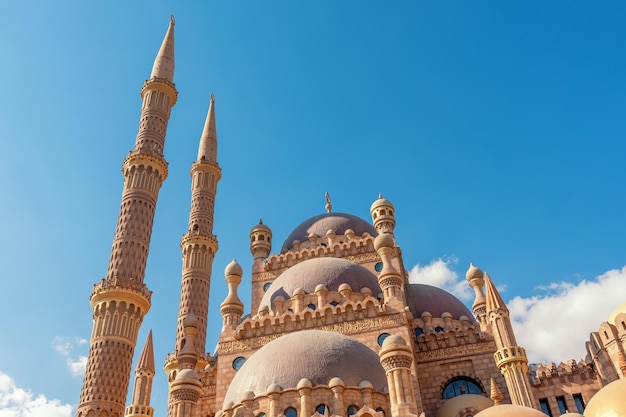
x=164 y=63
x=496 y=395
x=146 y=360
x=329 y=205
x=494 y=300
x=208 y=143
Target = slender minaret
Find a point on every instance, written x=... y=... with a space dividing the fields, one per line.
x=199 y=245
x=121 y=300
x=510 y=358
x=144 y=374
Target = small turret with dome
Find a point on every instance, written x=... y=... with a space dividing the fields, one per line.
x=260 y=241
x=383 y=216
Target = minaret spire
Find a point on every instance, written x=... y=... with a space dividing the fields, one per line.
x=121 y=299
x=510 y=358
x=144 y=374
x=164 y=63
x=198 y=245
x=208 y=142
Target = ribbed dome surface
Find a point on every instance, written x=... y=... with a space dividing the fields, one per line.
x=314 y=354
x=331 y=272
x=421 y=298
x=319 y=225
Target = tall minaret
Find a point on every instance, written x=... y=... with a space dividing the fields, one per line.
x=144 y=374
x=199 y=245
x=510 y=358
x=121 y=300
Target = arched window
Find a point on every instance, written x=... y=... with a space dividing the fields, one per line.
x=380 y=410
x=260 y=415
x=352 y=410
x=290 y=412
x=322 y=409
x=381 y=338
x=461 y=385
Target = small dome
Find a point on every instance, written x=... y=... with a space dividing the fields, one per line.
x=384 y=240
x=423 y=298
x=261 y=227
x=321 y=224
x=510 y=410
x=613 y=315
x=393 y=341
x=380 y=202
x=316 y=355
x=308 y=275
x=473 y=273
x=233 y=268
x=609 y=401
x=190 y=320
x=187 y=375
x=452 y=406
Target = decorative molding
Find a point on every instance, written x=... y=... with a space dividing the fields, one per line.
x=456 y=352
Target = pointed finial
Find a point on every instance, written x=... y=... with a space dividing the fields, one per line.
x=496 y=394
x=380 y=196
x=494 y=299
x=260 y=221
x=329 y=205
x=208 y=142
x=164 y=63
x=146 y=360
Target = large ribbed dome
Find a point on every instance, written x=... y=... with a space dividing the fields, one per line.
x=314 y=354
x=319 y=225
x=331 y=272
x=421 y=298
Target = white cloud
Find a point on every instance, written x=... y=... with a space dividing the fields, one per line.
x=439 y=273
x=554 y=325
x=65 y=346
x=18 y=402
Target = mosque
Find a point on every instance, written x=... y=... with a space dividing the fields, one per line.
x=335 y=328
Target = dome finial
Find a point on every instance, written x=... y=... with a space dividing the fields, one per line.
x=380 y=196
x=329 y=205
x=260 y=220
x=496 y=394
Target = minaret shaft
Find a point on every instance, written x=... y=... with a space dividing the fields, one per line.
x=121 y=300
x=199 y=245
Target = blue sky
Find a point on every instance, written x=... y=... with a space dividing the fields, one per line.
x=496 y=129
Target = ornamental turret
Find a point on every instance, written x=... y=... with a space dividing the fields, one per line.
x=232 y=307
x=475 y=279
x=144 y=374
x=121 y=299
x=383 y=216
x=396 y=358
x=510 y=358
x=389 y=278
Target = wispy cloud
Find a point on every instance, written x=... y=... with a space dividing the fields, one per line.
x=440 y=273
x=66 y=346
x=18 y=402
x=552 y=325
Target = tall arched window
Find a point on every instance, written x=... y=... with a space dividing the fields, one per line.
x=461 y=385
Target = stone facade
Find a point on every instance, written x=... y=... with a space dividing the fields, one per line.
x=335 y=326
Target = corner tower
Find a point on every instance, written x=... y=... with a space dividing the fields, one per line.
x=121 y=300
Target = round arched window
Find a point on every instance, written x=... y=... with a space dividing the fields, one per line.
x=352 y=410
x=461 y=385
x=378 y=267
x=291 y=412
x=321 y=408
x=266 y=286
x=381 y=338
x=238 y=363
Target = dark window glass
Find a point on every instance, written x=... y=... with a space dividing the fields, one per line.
x=560 y=401
x=291 y=412
x=461 y=385
x=238 y=363
x=322 y=409
x=311 y=306
x=418 y=331
x=381 y=338
x=266 y=286
x=379 y=409
x=260 y=415
x=545 y=407
x=580 y=404
x=378 y=267
x=439 y=329
x=352 y=410
x=334 y=303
